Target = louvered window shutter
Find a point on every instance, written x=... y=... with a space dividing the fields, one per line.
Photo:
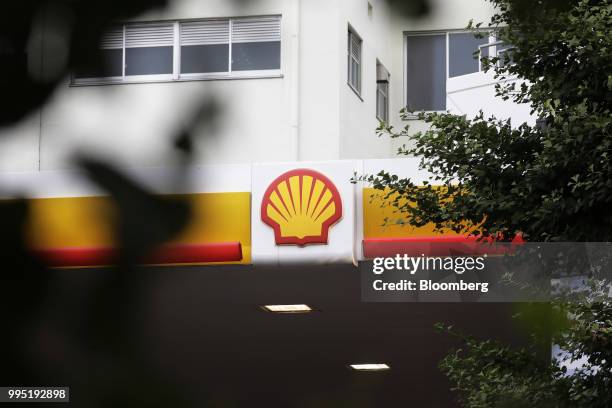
x=112 y=39
x=149 y=35
x=204 y=32
x=205 y=46
x=355 y=48
x=261 y=29
x=256 y=43
x=149 y=49
x=354 y=61
x=165 y=50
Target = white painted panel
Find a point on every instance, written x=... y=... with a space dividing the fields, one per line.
x=471 y=93
x=161 y=180
x=406 y=167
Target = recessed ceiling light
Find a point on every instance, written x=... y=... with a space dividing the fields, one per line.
x=297 y=308
x=370 y=367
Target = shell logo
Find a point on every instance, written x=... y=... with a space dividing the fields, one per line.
x=301 y=205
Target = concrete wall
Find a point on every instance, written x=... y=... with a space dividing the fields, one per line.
x=309 y=113
x=19 y=145
x=319 y=102
x=469 y=94
x=358 y=118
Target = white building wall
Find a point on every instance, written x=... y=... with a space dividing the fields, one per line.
x=308 y=113
x=319 y=102
x=19 y=145
x=358 y=117
x=472 y=93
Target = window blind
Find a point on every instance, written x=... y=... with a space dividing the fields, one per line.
x=204 y=32
x=355 y=47
x=261 y=29
x=149 y=35
x=213 y=47
x=112 y=39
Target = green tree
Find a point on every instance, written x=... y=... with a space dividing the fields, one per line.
x=553 y=181
x=550 y=182
x=488 y=374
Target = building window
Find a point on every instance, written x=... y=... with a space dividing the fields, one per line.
x=461 y=48
x=426 y=72
x=503 y=51
x=205 y=46
x=149 y=49
x=111 y=54
x=354 y=61
x=433 y=58
x=382 y=93
x=183 y=50
x=255 y=44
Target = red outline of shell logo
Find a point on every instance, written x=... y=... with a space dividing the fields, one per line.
x=301 y=205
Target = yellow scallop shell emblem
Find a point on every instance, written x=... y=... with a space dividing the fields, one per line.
x=301 y=205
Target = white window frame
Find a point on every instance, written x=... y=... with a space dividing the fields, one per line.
x=447 y=34
x=493 y=51
x=385 y=94
x=176 y=75
x=385 y=116
x=212 y=75
x=353 y=34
